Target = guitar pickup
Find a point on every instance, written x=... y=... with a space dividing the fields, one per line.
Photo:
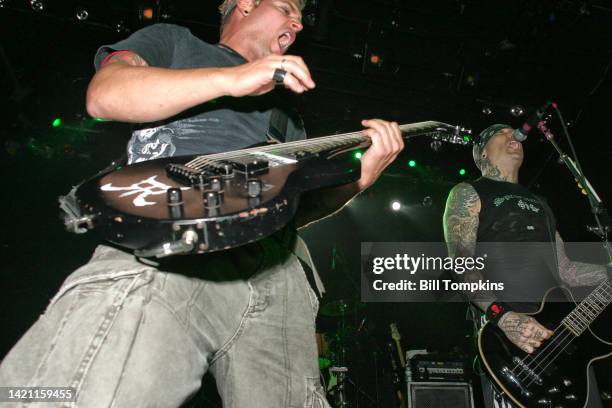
x=186 y=175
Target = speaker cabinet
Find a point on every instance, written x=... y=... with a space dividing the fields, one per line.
x=440 y=395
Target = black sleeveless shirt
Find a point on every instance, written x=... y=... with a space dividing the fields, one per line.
x=511 y=214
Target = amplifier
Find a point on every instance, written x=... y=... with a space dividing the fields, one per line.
x=440 y=395
x=431 y=367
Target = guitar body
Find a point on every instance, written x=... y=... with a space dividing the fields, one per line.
x=130 y=206
x=197 y=204
x=562 y=383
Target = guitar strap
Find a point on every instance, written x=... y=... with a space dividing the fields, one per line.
x=277 y=130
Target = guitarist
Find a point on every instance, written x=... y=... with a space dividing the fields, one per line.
x=496 y=208
x=124 y=332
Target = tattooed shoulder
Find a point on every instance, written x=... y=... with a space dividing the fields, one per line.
x=463 y=201
x=461 y=220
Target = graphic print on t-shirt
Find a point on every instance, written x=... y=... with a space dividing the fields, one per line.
x=152 y=143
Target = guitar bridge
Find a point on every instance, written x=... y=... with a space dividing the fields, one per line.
x=526 y=369
x=186 y=175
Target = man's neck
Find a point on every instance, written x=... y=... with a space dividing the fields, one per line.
x=494 y=172
x=236 y=44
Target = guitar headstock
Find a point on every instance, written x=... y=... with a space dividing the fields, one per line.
x=395 y=335
x=439 y=131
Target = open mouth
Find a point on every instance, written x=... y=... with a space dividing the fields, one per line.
x=284 y=41
x=514 y=144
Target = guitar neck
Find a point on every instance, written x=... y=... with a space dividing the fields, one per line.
x=589 y=309
x=436 y=130
x=400 y=352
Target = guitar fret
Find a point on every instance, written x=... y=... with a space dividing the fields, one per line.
x=601 y=299
x=580 y=324
x=587 y=313
x=574 y=323
x=589 y=309
x=597 y=307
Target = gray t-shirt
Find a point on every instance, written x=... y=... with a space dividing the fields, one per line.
x=223 y=124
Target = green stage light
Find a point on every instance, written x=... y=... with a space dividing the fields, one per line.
x=57 y=122
x=462 y=172
x=358 y=155
x=412 y=163
x=99 y=120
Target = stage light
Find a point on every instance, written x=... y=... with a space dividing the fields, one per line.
x=358 y=155
x=462 y=172
x=3 y=3
x=99 y=119
x=375 y=59
x=147 y=13
x=517 y=110
x=81 y=14
x=412 y=163
x=487 y=110
x=37 y=5
x=57 y=123
x=120 y=27
x=396 y=206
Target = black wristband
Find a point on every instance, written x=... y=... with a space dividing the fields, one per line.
x=496 y=310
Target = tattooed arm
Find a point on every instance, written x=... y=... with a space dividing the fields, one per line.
x=577 y=273
x=460 y=228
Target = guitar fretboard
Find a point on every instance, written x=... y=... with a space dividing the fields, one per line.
x=439 y=130
x=587 y=311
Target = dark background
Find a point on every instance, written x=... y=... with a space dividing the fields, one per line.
x=466 y=63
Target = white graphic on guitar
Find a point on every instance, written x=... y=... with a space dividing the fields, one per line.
x=144 y=189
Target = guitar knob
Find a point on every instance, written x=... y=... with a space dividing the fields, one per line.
x=211 y=199
x=174 y=199
x=226 y=170
x=215 y=183
x=174 y=196
x=254 y=188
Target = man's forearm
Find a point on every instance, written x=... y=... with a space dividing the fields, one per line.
x=318 y=204
x=581 y=273
x=577 y=273
x=141 y=94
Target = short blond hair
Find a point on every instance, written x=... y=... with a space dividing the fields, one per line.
x=227 y=7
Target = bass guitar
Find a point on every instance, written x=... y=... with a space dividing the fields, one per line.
x=556 y=374
x=198 y=204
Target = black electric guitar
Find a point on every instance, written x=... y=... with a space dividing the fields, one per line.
x=197 y=204
x=555 y=375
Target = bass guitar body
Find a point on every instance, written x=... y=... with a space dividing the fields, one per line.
x=556 y=374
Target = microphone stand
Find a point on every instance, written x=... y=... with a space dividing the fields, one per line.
x=604 y=223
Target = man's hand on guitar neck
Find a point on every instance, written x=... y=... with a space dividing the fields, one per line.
x=387 y=143
x=523 y=330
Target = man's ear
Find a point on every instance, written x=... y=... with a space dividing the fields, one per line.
x=245 y=6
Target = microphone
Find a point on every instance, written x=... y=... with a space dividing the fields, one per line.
x=520 y=134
